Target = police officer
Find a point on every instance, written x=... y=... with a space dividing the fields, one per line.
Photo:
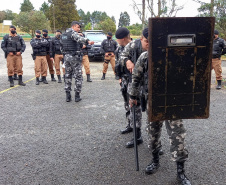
x=49 y=56
x=72 y=42
x=57 y=54
x=40 y=48
x=85 y=61
x=219 y=48
x=108 y=47
x=128 y=59
x=123 y=38
x=175 y=128
x=13 y=45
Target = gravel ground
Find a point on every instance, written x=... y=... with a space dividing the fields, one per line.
x=46 y=141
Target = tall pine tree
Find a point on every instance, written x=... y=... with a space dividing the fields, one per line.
x=62 y=13
x=26 y=6
x=124 y=19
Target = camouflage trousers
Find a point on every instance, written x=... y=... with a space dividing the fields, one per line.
x=138 y=112
x=73 y=66
x=176 y=132
x=124 y=87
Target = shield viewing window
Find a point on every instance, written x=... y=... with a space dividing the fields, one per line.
x=180 y=54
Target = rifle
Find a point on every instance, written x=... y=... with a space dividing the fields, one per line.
x=135 y=138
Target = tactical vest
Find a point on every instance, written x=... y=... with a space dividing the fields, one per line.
x=109 y=45
x=69 y=45
x=137 y=50
x=42 y=51
x=14 y=44
x=57 y=46
x=217 y=47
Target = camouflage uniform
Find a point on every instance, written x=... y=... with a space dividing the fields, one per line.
x=175 y=128
x=131 y=52
x=125 y=80
x=73 y=64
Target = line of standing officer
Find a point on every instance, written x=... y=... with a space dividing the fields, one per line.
x=49 y=56
x=40 y=47
x=108 y=47
x=57 y=54
x=13 y=45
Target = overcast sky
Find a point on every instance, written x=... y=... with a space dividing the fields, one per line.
x=111 y=7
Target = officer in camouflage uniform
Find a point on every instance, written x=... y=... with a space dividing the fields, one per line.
x=127 y=60
x=72 y=42
x=175 y=128
x=123 y=38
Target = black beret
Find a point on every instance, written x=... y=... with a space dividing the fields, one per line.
x=59 y=31
x=38 y=31
x=145 y=33
x=109 y=33
x=75 y=22
x=121 y=33
x=12 y=27
x=216 y=32
x=45 y=31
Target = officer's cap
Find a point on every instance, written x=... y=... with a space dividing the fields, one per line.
x=12 y=27
x=44 y=30
x=145 y=33
x=59 y=31
x=216 y=32
x=109 y=33
x=75 y=22
x=38 y=31
x=121 y=33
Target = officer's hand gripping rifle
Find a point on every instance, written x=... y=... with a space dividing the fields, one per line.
x=135 y=137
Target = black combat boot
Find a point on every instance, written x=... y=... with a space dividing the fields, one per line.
x=11 y=81
x=44 y=80
x=20 y=82
x=154 y=164
x=130 y=144
x=218 y=84
x=52 y=78
x=37 y=81
x=128 y=129
x=77 y=97
x=15 y=77
x=68 y=96
x=59 y=79
x=103 y=77
x=88 y=78
x=180 y=174
x=64 y=78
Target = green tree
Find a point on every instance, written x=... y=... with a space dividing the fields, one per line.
x=44 y=8
x=2 y=16
x=26 y=6
x=62 y=13
x=97 y=17
x=113 y=19
x=9 y=15
x=88 y=26
x=107 y=25
x=124 y=19
x=30 y=21
x=135 y=29
x=216 y=8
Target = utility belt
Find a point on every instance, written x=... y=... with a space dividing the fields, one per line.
x=73 y=53
x=14 y=52
x=58 y=52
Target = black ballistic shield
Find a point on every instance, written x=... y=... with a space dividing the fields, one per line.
x=180 y=55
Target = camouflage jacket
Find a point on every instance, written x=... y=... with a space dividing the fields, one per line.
x=76 y=37
x=118 y=52
x=138 y=75
x=131 y=52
